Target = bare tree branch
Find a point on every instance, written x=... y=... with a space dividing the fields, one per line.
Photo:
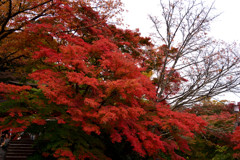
x=210 y=67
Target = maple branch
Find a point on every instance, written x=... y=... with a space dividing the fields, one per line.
x=4 y=33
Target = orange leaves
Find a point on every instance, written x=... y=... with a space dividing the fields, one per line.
x=132 y=90
x=122 y=66
x=88 y=128
x=91 y=102
x=76 y=114
x=103 y=46
x=18 y=129
x=53 y=86
x=112 y=114
x=9 y=88
x=186 y=123
x=79 y=50
x=135 y=112
x=60 y=121
x=20 y=121
x=15 y=112
x=179 y=125
x=236 y=137
x=80 y=79
x=109 y=117
x=44 y=52
x=153 y=143
x=219 y=117
x=62 y=152
x=115 y=136
x=131 y=136
x=39 y=121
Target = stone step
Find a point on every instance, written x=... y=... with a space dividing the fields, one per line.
x=19 y=153
x=21 y=150
x=20 y=147
x=21 y=142
x=15 y=157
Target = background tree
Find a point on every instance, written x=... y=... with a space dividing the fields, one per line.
x=208 y=67
x=216 y=142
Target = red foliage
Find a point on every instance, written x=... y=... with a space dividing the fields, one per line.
x=236 y=137
x=39 y=121
x=98 y=81
x=64 y=153
x=12 y=90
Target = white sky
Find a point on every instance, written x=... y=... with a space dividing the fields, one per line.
x=226 y=27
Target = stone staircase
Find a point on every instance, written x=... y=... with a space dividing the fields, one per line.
x=19 y=149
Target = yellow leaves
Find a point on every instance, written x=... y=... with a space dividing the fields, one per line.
x=148 y=74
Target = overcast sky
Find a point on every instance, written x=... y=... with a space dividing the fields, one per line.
x=226 y=27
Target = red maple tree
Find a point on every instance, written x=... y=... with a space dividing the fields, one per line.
x=92 y=78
